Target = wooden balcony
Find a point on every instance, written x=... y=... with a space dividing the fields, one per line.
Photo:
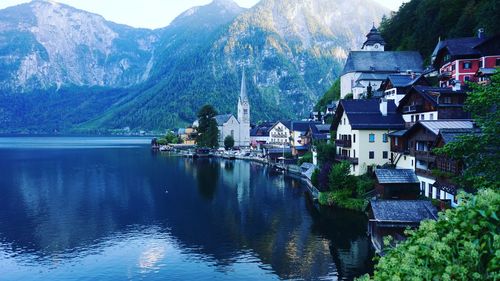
x=426 y=156
x=400 y=149
x=343 y=143
x=353 y=161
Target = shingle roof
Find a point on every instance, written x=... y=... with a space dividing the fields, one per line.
x=396 y=176
x=459 y=46
x=436 y=125
x=221 y=119
x=450 y=135
x=431 y=94
x=403 y=211
x=372 y=76
x=399 y=133
x=362 y=61
x=365 y=114
x=302 y=126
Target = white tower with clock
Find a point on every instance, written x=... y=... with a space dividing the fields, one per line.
x=244 y=114
x=374 y=41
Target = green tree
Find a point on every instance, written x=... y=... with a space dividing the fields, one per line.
x=463 y=244
x=340 y=177
x=333 y=94
x=326 y=152
x=170 y=137
x=479 y=153
x=208 y=132
x=229 y=142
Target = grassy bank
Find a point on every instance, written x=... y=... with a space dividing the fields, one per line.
x=343 y=199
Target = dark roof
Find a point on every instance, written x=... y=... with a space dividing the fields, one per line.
x=302 y=126
x=435 y=126
x=279 y=150
x=396 y=176
x=450 y=135
x=323 y=128
x=466 y=47
x=366 y=76
x=391 y=62
x=221 y=119
x=374 y=37
x=431 y=94
x=365 y=114
x=399 y=133
x=403 y=211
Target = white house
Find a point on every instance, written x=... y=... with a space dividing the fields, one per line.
x=280 y=133
x=362 y=128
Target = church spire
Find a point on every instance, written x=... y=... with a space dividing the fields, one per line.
x=243 y=93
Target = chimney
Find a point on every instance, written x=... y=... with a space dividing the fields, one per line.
x=383 y=106
x=480 y=33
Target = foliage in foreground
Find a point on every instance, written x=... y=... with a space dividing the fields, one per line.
x=463 y=244
x=208 y=133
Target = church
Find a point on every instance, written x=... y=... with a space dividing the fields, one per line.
x=365 y=70
x=238 y=127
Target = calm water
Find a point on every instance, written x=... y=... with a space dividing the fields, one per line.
x=110 y=209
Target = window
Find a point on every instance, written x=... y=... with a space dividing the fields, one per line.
x=452 y=67
x=372 y=155
x=467 y=65
x=344 y=121
x=429 y=191
x=412 y=118
x=354 y=153
x=422 y=117
x=232 y=133
x=396 y=141
x=497 y=63
x=467 y=78
x=385 y=154
x=431 y=117
x=384 y=138
x=354 y=138
x=417 y=117
x=372 y=137
x=447 y=100
x=422 y=188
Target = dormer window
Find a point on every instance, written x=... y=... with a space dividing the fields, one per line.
x=467 y=65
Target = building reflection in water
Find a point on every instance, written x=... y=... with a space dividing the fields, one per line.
x=72 y=204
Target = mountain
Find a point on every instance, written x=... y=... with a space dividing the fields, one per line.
x=292 y=51
x=45 y=44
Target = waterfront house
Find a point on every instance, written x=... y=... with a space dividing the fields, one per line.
x=432 y=103
x=316 y=133
x=397 y=184
x=421 y=139
x=260 y=134
x=362 y=130
x=460 y=60
x=280 y=133
x=368 y=68
x=298 y=131
x=392 y=217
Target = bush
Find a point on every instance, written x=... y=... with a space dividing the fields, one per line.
x=307 y=158
x=342 y=199
x=463 y=244
x=340 y=177
x=326 y=152
x=314 y=177
x=323 y=177
x=228 y=142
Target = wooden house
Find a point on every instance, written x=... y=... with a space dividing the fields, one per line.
x=397 y=184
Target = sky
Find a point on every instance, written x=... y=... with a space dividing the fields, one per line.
x=151 y=13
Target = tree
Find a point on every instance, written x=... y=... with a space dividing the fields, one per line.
x=170 y=137
x=208 y=132
x=229 y=142
x=326 y=152
x=479 y=153
x=333 y=94
x=340 y=177
x=463 y=244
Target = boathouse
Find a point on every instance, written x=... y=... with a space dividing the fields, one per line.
x=397 y=184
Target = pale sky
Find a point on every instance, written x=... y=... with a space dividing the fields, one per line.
x=151 y=13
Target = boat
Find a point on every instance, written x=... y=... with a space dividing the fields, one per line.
x=202 y=153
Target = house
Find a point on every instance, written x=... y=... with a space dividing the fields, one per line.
x=280 y=133
x=187 y=135
x=392 y=217
x=396 y=86
x=365 y=70
x=361 y=128
x=460 y=60
x=316 y=133
x=397 y=184
x=238 y=128
x=299 y=142
x=260 y=134
x=421 y=139
x=432 y=103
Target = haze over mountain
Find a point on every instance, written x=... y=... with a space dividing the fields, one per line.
x=155 y=79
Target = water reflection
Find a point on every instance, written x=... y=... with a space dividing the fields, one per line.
x=232 y=219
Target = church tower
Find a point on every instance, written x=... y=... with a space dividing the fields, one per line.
x=244 y=114
x=374 y=41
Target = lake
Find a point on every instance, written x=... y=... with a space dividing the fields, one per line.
x=82 y=208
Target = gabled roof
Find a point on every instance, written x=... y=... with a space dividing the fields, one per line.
x=396 y=176
x=430 y=94
x=403 y=211
x=390 y=62
x=364 y=114
x=222 y=119
x=466 y=47
x=436 y=125
x=302 y=126
x=450 y=135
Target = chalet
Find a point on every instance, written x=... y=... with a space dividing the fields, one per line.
x=361 y=128
x=421 y=139
x=280 y=133
x=397 y=184
x=259 y=134
x=460 y=60
x=392 y=217
x=316 y=133
x=365 y=70
x=447 y=166
x=432 y=103
x=396 y=86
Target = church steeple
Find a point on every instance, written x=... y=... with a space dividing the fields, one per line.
x=374 y=41
x=243 y=102
x=243 y=92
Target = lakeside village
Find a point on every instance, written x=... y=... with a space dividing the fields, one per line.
x=374 y=149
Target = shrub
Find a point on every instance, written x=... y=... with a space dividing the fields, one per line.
x=307 y=158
